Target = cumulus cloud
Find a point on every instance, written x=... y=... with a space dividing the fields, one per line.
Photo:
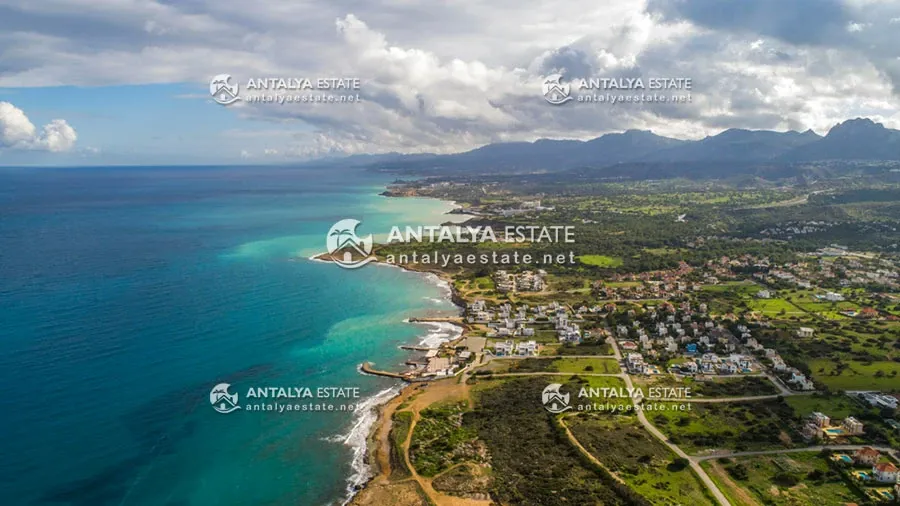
x=451 y=76
x=419 y=101
x=18 y=132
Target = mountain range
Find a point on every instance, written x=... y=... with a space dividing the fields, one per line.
x=853 y=140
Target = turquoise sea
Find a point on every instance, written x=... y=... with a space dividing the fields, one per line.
x=126 y=294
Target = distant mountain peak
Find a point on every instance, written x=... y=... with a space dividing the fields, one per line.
x=854 y=139
x=855 y=126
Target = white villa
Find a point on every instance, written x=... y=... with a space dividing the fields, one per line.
x=805 y=332
x=885 y=472
x=503 y=348
x=527 y=348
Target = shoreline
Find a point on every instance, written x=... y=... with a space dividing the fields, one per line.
x=357 y=439
x=364 y=464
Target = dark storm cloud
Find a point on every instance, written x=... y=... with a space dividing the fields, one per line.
x=870 y=29
x=793 y=21
x=570 y=62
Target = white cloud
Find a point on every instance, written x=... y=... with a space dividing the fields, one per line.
x=468 y=72
x=18 y=132
x=417 y=101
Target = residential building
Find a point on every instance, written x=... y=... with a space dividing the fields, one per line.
x=820 y=419
x=811 y=431
x=805 y=332
x=635 y=363
x=885 y=472
x=866 y=456
x=833 y=297
x=852 y=426
x=503 y=348
x=690 y=367
x=527 y=348
x=778 y=364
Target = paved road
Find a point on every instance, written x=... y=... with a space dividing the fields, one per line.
x=717 y=400
x=695 y=465
x=778 y=384
x=550 y=357
x=552 y=373
x=729 y=454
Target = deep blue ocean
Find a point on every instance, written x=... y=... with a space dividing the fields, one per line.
x=127 y=293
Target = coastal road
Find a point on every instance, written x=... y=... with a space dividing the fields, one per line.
x=731 y=454
x=552 y=373
x=731 y=399
x=695 y=465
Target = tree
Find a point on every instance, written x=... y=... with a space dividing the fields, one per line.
x=678 y=464
x=738 y=471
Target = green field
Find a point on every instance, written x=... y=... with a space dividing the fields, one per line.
x=575 y=383
x=797 y=479
x=746 y=288
x=584 y=349
x=639 y=459
x=732 y=387
x=857 y=375
x=600 y=260
x=739 y=426
x=774 y=307
x=829 y=310
x=835 y=406
x=586 y=365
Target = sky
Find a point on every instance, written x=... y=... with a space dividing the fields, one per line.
x=85 y=82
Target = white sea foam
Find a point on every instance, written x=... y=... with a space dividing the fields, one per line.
x=439 y=332
x=367 y=412
x=440 y=282
x=355 y=438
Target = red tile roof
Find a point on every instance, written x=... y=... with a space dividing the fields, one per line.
x=886 y=467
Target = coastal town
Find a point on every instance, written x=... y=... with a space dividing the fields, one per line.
x=731 y=331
